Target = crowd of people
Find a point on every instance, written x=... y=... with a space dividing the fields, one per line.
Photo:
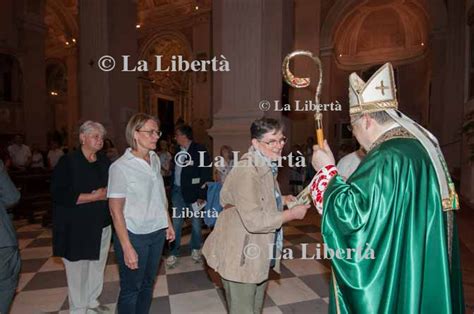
x=393 y=195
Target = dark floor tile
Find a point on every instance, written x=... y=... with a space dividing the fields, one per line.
x=268 y=302
x=111 y=259
x=32 y=265
x=160 y=305
x=188 y=282
x=41 y=242
x=284 y=273
x=213 y=276
x=47 y=280
x=110 y=293
x=313 y=306
x=318 y=283
x=162 y=268
x=65 y=305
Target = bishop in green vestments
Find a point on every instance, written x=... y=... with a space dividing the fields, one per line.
x=393 y=221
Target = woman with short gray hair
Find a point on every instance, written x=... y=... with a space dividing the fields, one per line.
x=81 y=218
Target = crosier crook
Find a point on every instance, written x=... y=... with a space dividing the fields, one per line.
x=302 y=82
x=304 y=197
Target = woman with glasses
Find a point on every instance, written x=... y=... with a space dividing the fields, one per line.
x=248 y=238
x=139 y=211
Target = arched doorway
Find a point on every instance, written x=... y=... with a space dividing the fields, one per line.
x=166 y=94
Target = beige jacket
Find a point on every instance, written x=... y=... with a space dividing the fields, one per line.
x=241 y=244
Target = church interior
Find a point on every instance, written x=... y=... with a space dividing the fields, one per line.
x=52 y=78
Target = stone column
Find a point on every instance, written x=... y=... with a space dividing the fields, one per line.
x=241 y=31
x=201 y=81
x=38 y=118
x=108 y=28
x=73 y=99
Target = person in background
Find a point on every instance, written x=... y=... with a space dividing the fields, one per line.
x=349 y=163
x=189 y=187
x=109 y=150
x=297 y=173
x=81 y=219
x=139 y=210
x=253 y=215
x=10 y=262
x=222 y=170
x=54 y=154
x=20 y=153
x=165 y=160
x=37 y=161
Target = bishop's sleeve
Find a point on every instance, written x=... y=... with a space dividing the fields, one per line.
x=347 y=205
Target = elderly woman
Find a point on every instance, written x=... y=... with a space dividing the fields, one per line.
x=139 y=210
x=81 y=218
x=248 y=236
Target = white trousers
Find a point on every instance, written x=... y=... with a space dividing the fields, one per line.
x=85 y=279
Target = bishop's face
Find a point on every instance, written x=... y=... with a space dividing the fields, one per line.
x=360 y=131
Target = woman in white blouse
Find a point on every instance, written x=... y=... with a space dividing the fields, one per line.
x=139 y=209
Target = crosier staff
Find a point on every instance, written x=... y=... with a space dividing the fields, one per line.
x=302 y=82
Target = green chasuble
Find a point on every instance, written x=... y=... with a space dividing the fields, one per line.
x=392 y=205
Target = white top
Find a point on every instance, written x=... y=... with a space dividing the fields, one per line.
x=19 y=154
x=142 y=186
x=37 y=160
x=165 y=160
x=348 y=164
x=53 y=156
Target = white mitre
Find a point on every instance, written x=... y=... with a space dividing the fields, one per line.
x=379 y=93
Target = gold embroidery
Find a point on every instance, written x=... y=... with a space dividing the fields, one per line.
x=398 y=132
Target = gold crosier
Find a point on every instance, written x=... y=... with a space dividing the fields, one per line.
x=304 y=197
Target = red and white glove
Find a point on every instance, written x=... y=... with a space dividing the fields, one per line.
x=319 y=184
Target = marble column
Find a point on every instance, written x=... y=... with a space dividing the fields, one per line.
x=108 y=28
x=201 y=112
x=249 y=34
x=37 y=115
x=72 y=98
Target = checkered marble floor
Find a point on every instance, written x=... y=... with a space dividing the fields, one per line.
x=302 y=286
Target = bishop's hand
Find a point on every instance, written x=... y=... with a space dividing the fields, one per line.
x=322 y=156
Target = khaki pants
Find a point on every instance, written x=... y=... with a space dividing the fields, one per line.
x=85 y=279
x=244 y=298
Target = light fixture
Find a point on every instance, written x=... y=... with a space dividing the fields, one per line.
x=340 y=55
x=138 y=26
x=196 y=7
x=422 y=44
x=53 y=93
x=74 y=40
x=67 y=43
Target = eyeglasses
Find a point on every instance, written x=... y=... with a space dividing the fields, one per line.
x=151 y=132
x=350 y=126
x=273 y=143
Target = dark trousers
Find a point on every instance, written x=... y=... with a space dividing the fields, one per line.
x=196 y=222
x=136 y=286
x=10 y=265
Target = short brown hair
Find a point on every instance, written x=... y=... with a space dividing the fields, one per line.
x=135 y=123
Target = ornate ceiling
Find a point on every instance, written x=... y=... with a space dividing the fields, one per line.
x=379 y=30
x=61 y=19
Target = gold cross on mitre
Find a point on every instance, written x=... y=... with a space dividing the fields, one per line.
x=382 y=87
x=377 y=94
